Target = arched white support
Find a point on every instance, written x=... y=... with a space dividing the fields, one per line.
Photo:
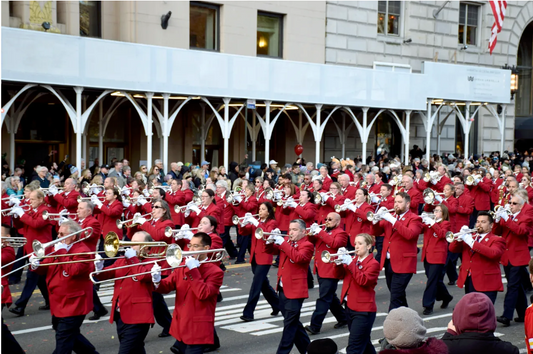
x=500 y=118
x=466 y=122
x=440 y=127
x=428 y=119
x=362 y=129
x=343 y=132
x=317 y=128
x=7 y=106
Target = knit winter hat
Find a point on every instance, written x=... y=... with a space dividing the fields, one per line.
x=404 y=328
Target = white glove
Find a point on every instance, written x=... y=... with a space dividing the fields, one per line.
x=342 y=251
x=325 y=196
x=375 y=220
x=35 y=262
x=53 y=190
x=276 y=231
x=138 y=220
x=14 y=201
x=141 y=201
x=469 y=240
x=428 y=221
x=434 y=181
x=464 y=228
x=504 y=215
x=278 y=240
x=270 y=239
x=254 y=221
x=130 y=253
x=60 y=246
x=292 y=204
x=346 y=259
x=191 y=262
x=125 y=191
x=352 y=207
x=156 y=273
x=93 y=191
x=237 y=198
x=98 y=263
x=375 y=199
x=187 y=234
x=61 y=220
x=439 y=198
x=126 y=204
x=146 y=193
x=17 y=212
x=94 y=198
x=192 y=206
x=185 y=227
x=315 y=229
x=387 y=216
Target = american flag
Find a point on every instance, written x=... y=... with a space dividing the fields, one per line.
x=498 y=10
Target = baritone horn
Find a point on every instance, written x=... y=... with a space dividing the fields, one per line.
x=327 y=257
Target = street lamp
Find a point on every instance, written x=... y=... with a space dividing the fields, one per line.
x=514 y=78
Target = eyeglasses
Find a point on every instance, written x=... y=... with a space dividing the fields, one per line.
x=158 y=207
x=513 y=203
x=190 y=245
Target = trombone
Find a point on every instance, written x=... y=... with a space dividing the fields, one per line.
x=112 y=245
x=239 y=220
x=14 y=242
x=327 y=257
x=450 y=236
x=370 y=216
x=260 y=234
x=26 y=208
x=21 y=196
x=429 y=195
x=56 y=217
x=170 y=232
x=136 y=216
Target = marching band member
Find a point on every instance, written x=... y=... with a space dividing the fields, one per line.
x=176 y=197
x=330 y=239
x=35 y=228
x=295 y=255
x=378 y=182
x=197 y=286
x=480 y=191
x=71 y=290
x=326 y=179
x=399 y=246
x=109 y=211
x=357 y=180
x=208 y=207
x=131 y=307
x=329 y=200
x=481 y=254
x=268 y=184
x=387 y=202
x=282 y=214
x=208 y=224
x=511 y=186
x=247 y=205
x=348 y=191
x=261 y=262
x=465 y=206
x=132 y=206
x=415 y=195
x=357 y=221
x=6 y=219
x=222 y=193
x=496 y=186
x=526 y=182
x=442 y=180
x=305 y=209
x=69 y=198
x=358 y=294
x=448 y=200
x=308 y=183
x=318 y=186
x=514 y=227
x=221 y=211
x=258 y=187
x=518 y=172
x=434 y=254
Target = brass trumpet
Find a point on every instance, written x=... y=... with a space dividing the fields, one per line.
x=14 y=242
x=87 y=199
x=56 y=216
x=26 y=208
x=450 y=236
x=429 y=195
x=121 y=223
x=309 y=233
x=370 y=216
x=471 y=180
x=21 y=196
x=327 y=257
x=238 y=220
x=170 y=232
x=260 y=234
x=112 y=245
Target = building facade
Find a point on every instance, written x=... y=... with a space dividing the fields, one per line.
x=285 y=57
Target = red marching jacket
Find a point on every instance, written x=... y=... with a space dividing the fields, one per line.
x=108 y=215
x=35 y=227
x=359 y=283
x=349 y=192
x=306 y=212
x=481 y=194
x=435 y=247
x=401 y=242
x=194 y=219
x=357 y=221
x=515 y=232
x=329 y=241
x=173 y=199
x=69 y=202
x=416 y=199
x=193 y=319
x=92 y=241
x=135 y=293
x=221 y=215
x=329 y=207
x=465 y=207
x=6 y=219
x=8 y=256
x=258 y=249
x=495 y=191
x=156 y=229
x=293 y=264
x=228 y=210
x=482 y=261
x=375 y=188
x=439 y=187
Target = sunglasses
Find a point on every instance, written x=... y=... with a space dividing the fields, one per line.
x=329 y=219
x=158 y=207
x=513 y=203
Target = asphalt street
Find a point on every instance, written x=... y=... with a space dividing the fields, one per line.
x=34 y=332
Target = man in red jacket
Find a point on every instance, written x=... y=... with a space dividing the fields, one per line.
x=480 y=191
x=295 y=255
x=68 y=199
x=348 y=191
x=482 y=251
x=514 y=229
x=399 y=247
x=328 y=274
x=414 y=194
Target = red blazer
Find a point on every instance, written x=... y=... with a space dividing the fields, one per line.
x=306 y=212
x=283 y=217
x=388 y=202
x=326 y=182
x=216 y=241
x=420 y=185
x=92 y=241
x=108 y=216
x=221 y=217
x=293 y=264
x=135 y=293
x=173 y=199
x=6 y=219
x=357 y=221
x=465 y=207
x=481 y=194
x=329 y=207
x=451 y=203
x=69 y=286
x=69 y=202
x=375 y=188
x=194 y=219
x=529 y=190
x=228 y=210
x=156 y=229
x=435 y=247
x=416 y=199
x=401 y=242
x=515 y=232
x=193 y=319
x=35 y=227
x=249 y=205
x=359 y=283
x=482 y=261
x=258 y=250
x=495 y=191
x=349 y=192
x=439 y=187
x=129 y=212
x=329 y=241
x=8 y=256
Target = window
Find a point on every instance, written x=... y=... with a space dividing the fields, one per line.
x=468 y=23
x=389 y=17
x=90 y=24
x=204 y=26
x=270 y=34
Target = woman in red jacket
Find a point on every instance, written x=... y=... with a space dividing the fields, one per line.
x=208 y=207
x=284 y=215
x=109 y=211
x=248 y=205
x=358 y=289
x=434 y=255
x=261 y=262
x=209 y=225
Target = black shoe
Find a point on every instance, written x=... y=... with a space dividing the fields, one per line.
x=504 y=320
x=239 y=262
x=45 y=307
x=340 y=325
x=427 y=311
x=13 y=282
x=175 y=350
x=275 y=265
x=97 y=316
x=276 y=312
x=310 y=330
x=445 y=303
x=519 y=319
x=246 y=319
x=219 y=297
x=163 y=334
x=211 y=348
x=19 y=311
x=310 y=285
x=451 y=282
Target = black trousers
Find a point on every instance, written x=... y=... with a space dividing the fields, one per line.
x=9 y=343
x=360 y=325
x=293 y=330
x=17 y=276
x=451 y=266
x=98 y=307
x=397 y=283
x=327 y=300
x=260 y=284
x=244 y=241
x=228 y=242
x=33 y=280
x=435 y=288
x=69 y=337
x=515 y=297
x=189 y=349
x=161 y=313
x=469 y=288
x=131 y=336
x=379 y=247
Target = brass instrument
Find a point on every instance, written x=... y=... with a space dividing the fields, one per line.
x=112 y=245
x=364 y=184
x=121 y=223
x=56 y=216
x=25 y=208
x=133 y=200
x=269 y=193
x=428 y=215
x=14 y=242
x=327 y=257
x=165 y=188
x=88 y=199
x=239 y=220
x=309 y=228
x=170 y=232
x=471 y=180
x=21 y=196
x=40 y=248
x=371 y=196
x=370 y=216
x=502 y=193
x=498 y=209
x=260 y=234
x=427 y=177
x=46 y=189
x=429 y=195
x=450 y=236
x=182 y=209
x=396 y=180
x=230 y=198
x=342 y=207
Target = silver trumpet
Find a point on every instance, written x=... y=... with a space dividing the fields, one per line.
x=21 y=196
x=14 y=242
x=427 y=215
x=260 y=234
x=450 y=236
x=327 y=257
x=236 y=220
x=56 y=216
x=170 y=232
x=26 y=208
x=371 y=216
x=429 y=195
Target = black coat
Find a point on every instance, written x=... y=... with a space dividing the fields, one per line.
x=474 y=342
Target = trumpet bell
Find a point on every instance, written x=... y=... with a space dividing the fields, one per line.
x=45 y=215
x=429 y=196
x=450 y=237
x=318 y=198
x=370 y=216
x=325 y=257
x=168 y=231
x=38 y=248
x=338 y=208
x=235 y=220
x=258 y=233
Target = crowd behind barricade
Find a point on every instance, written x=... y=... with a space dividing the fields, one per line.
x=152 y=232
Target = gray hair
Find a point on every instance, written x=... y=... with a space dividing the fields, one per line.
x=90 y=205
x=223 y=184
x=211 y=186
x=522 y=195
x=300 y=222
x=158 y=161
x=71 y=226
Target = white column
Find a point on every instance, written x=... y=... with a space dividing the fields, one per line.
x=79 y=132
x=364 y=138
x=318 y=135
x=202 y=133
x=268 y=132
x=429 y=125
x=149 y=96
x=165 y=131
x=502 y=141
x=101 y=134
x=254 y=137
x=343 y=135
x=467 y=128
x=226 y=132
x=12 y=148
x=84 y=150
x=438 y=133
x=407 y=134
